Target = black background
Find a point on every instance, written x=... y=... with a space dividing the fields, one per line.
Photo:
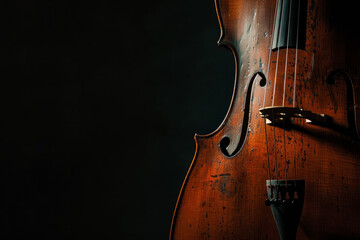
x=99 y=105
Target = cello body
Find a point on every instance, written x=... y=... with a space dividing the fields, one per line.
x=224 y=193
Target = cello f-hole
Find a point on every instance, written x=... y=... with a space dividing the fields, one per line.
x=338 y=75
x=259 y=78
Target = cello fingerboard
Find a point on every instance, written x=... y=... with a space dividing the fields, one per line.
x=290 y=25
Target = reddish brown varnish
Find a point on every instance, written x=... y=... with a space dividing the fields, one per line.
x=223 y=197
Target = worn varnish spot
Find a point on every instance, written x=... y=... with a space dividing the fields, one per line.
x=226 y=185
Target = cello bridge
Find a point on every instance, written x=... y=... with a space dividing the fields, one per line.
x=285 y=115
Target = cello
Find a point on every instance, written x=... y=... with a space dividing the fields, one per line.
x=285 y=162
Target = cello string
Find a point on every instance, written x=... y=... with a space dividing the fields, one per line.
x=296 y=53
x=277 y=57
x=267 y=154
x=284 y=88
x=287 y=52
x=295 y=74
x=270 y=51
x=266 y=86
x=273 y=100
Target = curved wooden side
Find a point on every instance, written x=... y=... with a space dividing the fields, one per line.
x=223 y=197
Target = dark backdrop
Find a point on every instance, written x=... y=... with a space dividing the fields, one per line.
x=99 y=105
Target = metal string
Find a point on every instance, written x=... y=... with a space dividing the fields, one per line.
x=287 y=53
x=284 y=89
x=274 y=90
x=267 y=80
x=270 y=50
x=294 y=96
